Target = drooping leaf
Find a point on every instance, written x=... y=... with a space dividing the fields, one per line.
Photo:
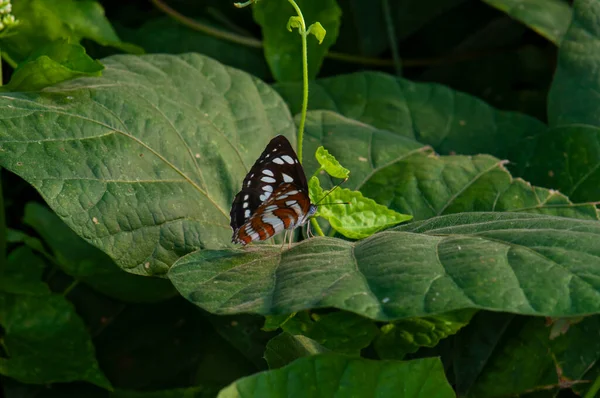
x=84 y=262
x=351 y=214
x=408 y=335
x=463 y=261
x=573 y=96
x=153 y=180
x=448 y=120
x=54 y=63
x=283 y=49
x=44 y=21
x=342 y=332
x=330 y=164
x=550 y=18
x=330 y=375
x=406 y=177
x=286 y=348
x=45 y=340
x=165 y=35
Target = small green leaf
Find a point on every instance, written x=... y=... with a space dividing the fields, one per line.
x=274 y=322
x=330 y=164
x=351 y=214
x=294 y=23
x=318 y=30
x=408 y=335
x=286 y=348
x=52 y=64
x=329 y=375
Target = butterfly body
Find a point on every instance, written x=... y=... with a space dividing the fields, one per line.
x=274 y=195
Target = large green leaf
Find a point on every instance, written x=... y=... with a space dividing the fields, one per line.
x=550 y=18
x=45 y=341
x=332 y=375
x=410 y=16
x=144 y=161
x=512 y=262
x=573 y=96
x=448 y=120
x=407 y=177
x=84 y=262
x=283 y=49
x=44 y=21
x=165 y=35
x=568 y=158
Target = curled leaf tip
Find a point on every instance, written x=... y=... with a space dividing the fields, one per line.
x=294 y=22
x=318 y=30
x=245 y=4
x=330 y=164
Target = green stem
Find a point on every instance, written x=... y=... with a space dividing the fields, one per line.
x=316 y=226
x=70 y=287
x=303 y=35
x=591 y=393
x=391 y=31
x=3 y=229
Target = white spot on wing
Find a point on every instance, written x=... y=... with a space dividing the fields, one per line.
x=287 y=178
x=271 y=208
x=268 y=172
x=246 y=197
x=290 y=202
x=293 y=192
x=245 y=205
x=247 y=213
x=288 y=159
x=268 y=180
x=278 y=160
x=267 y=188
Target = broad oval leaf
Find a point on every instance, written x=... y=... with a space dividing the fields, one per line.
x=329 y=375
x=511 y=262
x=448 y=120
x=286 y=348
x=143 y=162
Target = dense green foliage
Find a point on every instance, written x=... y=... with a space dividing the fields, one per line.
x=465 y=261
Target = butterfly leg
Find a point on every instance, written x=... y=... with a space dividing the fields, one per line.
x=285 y=232
x=291 y=238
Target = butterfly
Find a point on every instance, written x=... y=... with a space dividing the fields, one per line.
x=274 y=195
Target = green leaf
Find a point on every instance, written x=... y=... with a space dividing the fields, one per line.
x=360 y=218
x=448 y=120
x=408 y=335
x=283 y=50
x=286 y=348
x=342 y=332
x=568 y=159
x=44 y=21
x=550 y=266
x=411 y=16
x=573 y=95
x=330 y=164
x=274 y=322
x=549 y=18
x=318 y=30
x=84 y=262
x=53 y=63
x=190 y=392
x=153 y=180
x=333 y=375
x=165 y=35
x=516 y=368
x=407 y=177
x=45 y=340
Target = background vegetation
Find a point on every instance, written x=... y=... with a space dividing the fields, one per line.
x=126 y=128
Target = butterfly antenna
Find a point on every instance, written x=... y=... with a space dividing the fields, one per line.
x=331 y=190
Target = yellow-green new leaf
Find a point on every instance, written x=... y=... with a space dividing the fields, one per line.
x=330 y=164
x=318 y=30
x=355 y=217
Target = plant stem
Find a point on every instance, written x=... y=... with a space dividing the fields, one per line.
x=591 y=393
x=3 y=229
x=391 y=31
x=70 y=287
x=316 y=226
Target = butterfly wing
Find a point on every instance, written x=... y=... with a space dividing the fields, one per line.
x=287 y=208
x=277 y=165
